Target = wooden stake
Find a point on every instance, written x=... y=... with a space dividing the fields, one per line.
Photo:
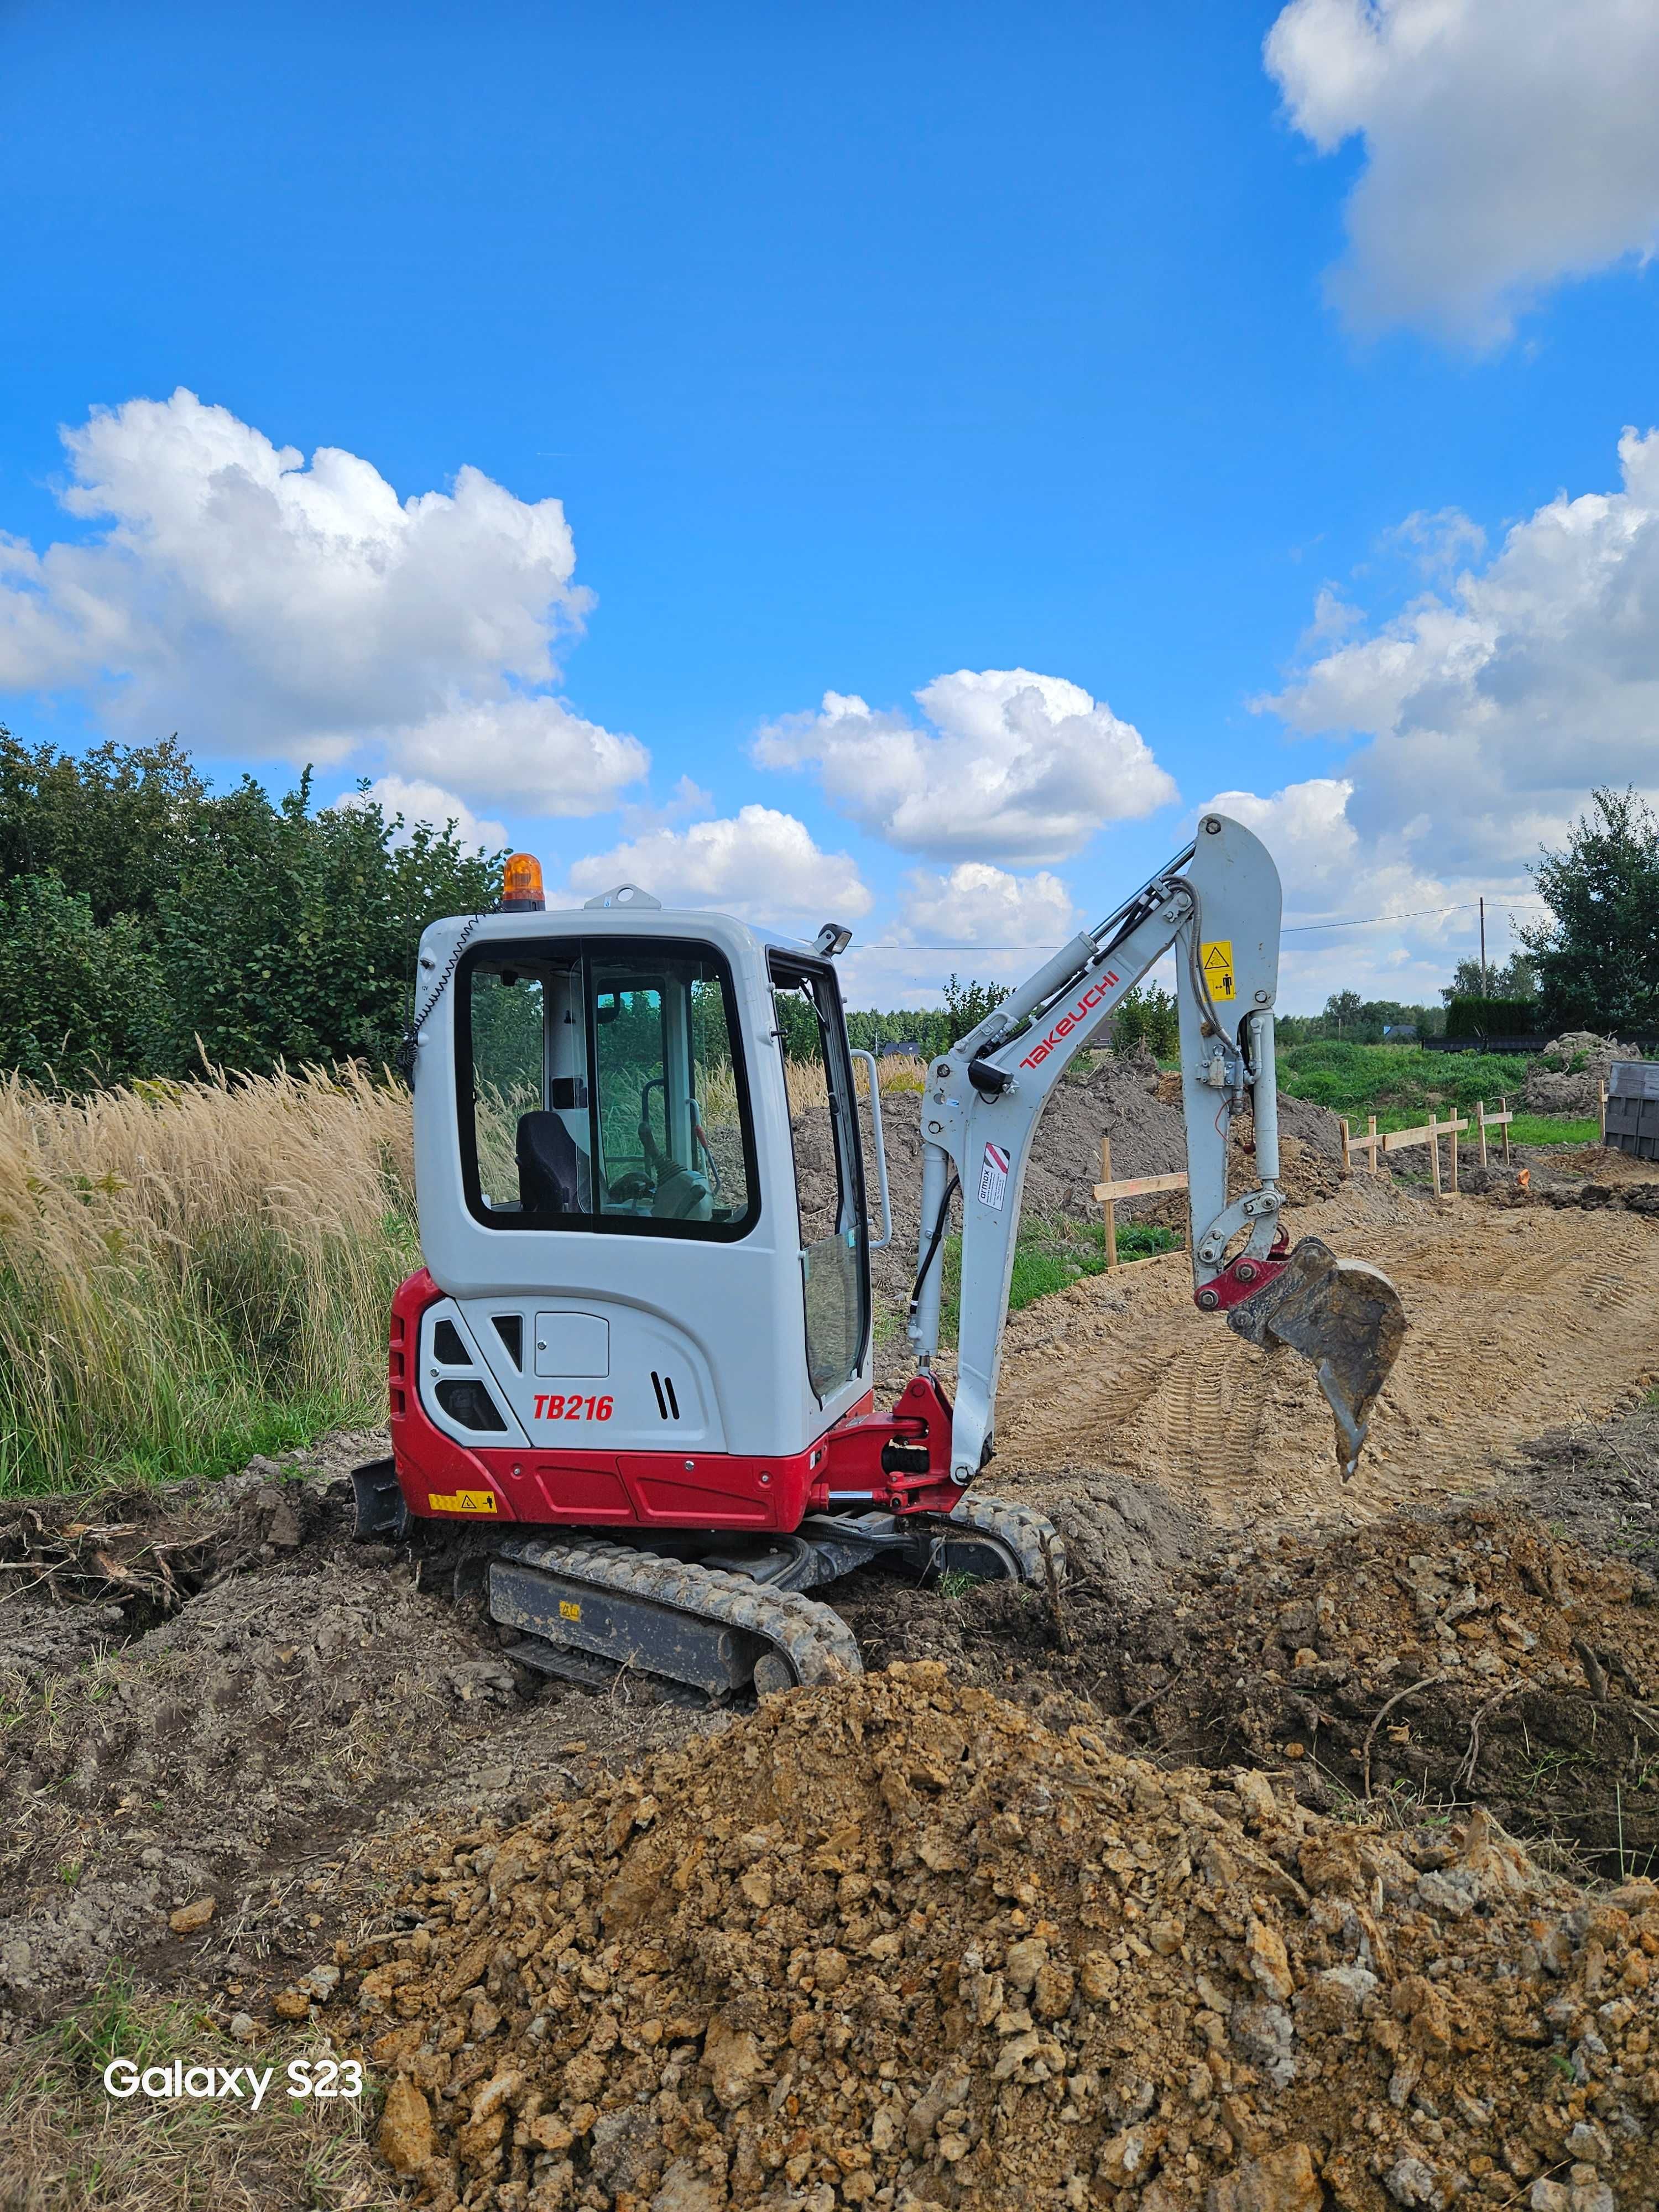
x=1434 y=1150
x=1453 y=1146
x=1347 y=1164
x=1603 y=1112
x=1109 y=1208
x=1480 y=1122
x=1504 y=1104
x=1372 y=1141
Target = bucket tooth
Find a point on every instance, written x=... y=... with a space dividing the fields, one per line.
x=1344 y=1315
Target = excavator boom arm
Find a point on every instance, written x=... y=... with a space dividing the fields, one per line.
x=1217 y=905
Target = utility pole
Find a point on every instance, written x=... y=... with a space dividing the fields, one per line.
x=1483 y=948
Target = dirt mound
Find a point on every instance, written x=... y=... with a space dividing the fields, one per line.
x=892 y=1943
x=1599 y=1162
x=1517 y=1321
x=1623 y=1194
x=1568 y=1075
x=1440 y=1657
x=1601 y=1483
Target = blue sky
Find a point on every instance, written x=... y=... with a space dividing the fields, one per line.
x=868 y=353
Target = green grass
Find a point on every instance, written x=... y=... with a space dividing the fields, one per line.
x=210 y=1373
x=1051 y=1252
x=1383 y=1079
x=1525 y=1129
x=1402 y=1085
x=1554 y=1129
x=66 y=2145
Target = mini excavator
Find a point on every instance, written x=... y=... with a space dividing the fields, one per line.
x=635 y=1369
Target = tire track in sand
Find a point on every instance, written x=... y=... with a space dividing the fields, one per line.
x=1520 y=1320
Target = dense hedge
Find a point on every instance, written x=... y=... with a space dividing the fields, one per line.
x=1502 y=1017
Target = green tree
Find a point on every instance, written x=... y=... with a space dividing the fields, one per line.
x=1514 y=978
x=143 y=913
x=81 y=1004
x=291 y=935
x=114 y=825
x=967 y=1004
x=1597 y=955
x=1343 y=1010
x=926 y=1026
x=1147 y=1015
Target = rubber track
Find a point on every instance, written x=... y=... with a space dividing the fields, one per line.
x=1022 y=1530
x=814 y=1641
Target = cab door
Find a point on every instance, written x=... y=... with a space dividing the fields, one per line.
x=835 y=1240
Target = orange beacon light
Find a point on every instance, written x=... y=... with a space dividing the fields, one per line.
x=521 y=884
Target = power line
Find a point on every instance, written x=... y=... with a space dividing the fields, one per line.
x=1361 y=921
x=1287 y=929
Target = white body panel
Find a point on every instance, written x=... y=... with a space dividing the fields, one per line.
x=623 y=1409
x=724 y=1319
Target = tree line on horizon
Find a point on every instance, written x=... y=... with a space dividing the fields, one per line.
x=151 y=927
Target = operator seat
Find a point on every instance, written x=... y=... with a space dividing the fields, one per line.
x=553 y=1172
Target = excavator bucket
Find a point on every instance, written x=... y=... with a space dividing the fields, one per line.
x=1345 y=1317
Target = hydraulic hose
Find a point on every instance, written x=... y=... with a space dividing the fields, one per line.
x=951 y=1190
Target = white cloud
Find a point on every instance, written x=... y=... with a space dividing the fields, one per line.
x=1493 y=710
x=1510 y=143
x=1333 y=618
x=1016 y=768
x=261 y=606
x=975 y=903
x=430 y=804
x=1487 y=711
x=531 y=752
x=1438 y=543
x=758 y=864
x=685 y=803
x=1327 y=870
x=1331 y=874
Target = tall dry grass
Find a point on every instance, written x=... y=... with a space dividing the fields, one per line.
x=192 y=1272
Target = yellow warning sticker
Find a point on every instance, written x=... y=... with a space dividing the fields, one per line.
x=1217 y=960
x=462 y=1501
x=569 y=1609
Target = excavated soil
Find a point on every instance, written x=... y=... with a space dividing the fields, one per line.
x=1519 y=1319
x=894 y=1943
x=1440 y=1659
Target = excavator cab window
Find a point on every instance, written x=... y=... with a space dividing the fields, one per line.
x=603 y=1087
x=811 y=1034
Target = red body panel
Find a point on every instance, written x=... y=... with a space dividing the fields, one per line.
x=659 y=1490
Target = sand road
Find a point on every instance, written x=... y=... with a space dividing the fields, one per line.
x=1519 y=1319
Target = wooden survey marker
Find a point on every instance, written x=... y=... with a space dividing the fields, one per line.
x=1429 y=1133
x=1108 y=1193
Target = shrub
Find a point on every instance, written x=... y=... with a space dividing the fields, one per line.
x=1483 y=1018
x=79 y=1002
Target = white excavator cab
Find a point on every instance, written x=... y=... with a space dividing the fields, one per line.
x=639 y=1254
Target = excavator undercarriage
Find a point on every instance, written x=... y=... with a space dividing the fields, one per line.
x=716 y=1613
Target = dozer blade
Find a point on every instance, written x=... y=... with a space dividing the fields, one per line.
x=1344 y=1315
